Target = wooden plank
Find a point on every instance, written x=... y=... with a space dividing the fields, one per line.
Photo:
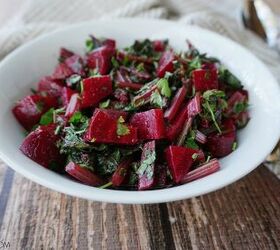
x=244 y=215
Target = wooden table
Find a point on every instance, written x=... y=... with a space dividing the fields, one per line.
x=244 y=215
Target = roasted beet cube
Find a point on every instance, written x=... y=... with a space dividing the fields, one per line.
x=84 y=175
x=62 y=71
x=165 y=63
x=100 y=59
x=204 y=79
x=103 y=128
x=146 y=170
x=115 y=114
x=66 y=95
x=40 y=146
x=76 y=64
x=95 y=89
x=179 y=160
x=150 y=124
x=29 y=110
x=49 y=86
x=221 y=145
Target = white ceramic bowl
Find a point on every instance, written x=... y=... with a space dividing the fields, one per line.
x=26 y=65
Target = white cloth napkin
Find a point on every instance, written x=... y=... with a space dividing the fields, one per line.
x=39 y=16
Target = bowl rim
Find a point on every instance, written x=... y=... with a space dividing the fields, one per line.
x=134 y=197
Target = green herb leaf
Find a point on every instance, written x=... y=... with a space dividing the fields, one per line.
x=108 y=161
x=115 y=63
x=234 y=146
x=156 y=99
x=211 y=111
x=190 y=141
x=164 y=88
x=122 y=129
x=106 y=185
x=104 y=105
x=228 y=78
x=76 y=118
x=48 y=117
x=194 y=156
x=207 y=95
x=89 y=45
x=240 y=107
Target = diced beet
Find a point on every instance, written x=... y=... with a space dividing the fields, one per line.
x=103 y=129
x=62 y=71
x=179 y=160
x=146 y=170
x=29 y=110
x=129 y=139
x=220 y=145
x=205 y=79
x=73 y=105
x=66 y=95
x=115 y=114
x=50 y=86
x=165 y=63
x=100 y=59
x=84 y=175
x=64 y=54
x=76 y=64
x=176 y=103
x=159 y=45
x=99 y=123
x=174 y=129
x=95 y=89
x=109 y=43
x=150 y=124
x=121 y=173
x=194 y=105
x=202 y=171
x=40 y=146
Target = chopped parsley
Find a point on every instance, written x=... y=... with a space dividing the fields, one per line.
x=164 y=88
x=105 y=104
x=122 y=129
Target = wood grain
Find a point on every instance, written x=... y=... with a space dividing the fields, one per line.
x=244 y=215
